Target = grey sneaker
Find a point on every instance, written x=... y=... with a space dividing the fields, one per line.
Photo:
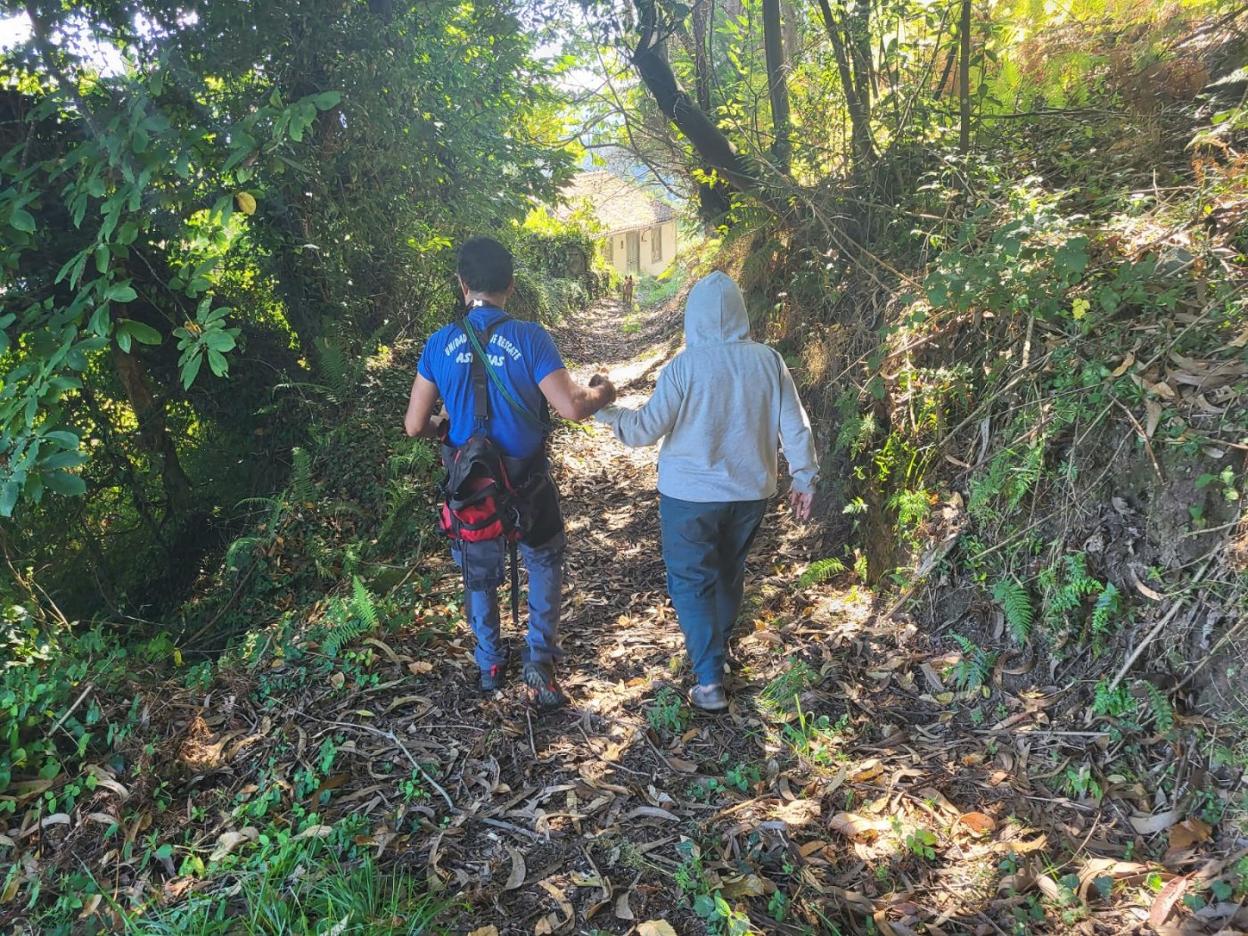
x=544 y=692
x=711 y=698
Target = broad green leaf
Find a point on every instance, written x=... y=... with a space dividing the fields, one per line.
x=141 y=332
x=8 y=498
x=217 y=362
x=190 y=370
x=62 y=482
x=121 y=292
x=22 y=220
x=327 y=99
x=123 y=340
x=63 y=437
x=219 y=340
x=63 y=460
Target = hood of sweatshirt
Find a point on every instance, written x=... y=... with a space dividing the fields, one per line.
x=715 y=312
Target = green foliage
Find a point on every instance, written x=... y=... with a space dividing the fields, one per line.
x=1025 y=268
x=1015 y=602
x=668 y=713
x=783 y=692
x=974 y=669
x=922 y=844
x=274 y=894
x=719 y=915
x=815 y=739
x=1066 y=587
x=1118 y=703
x=362 y=604
x=1159 y=705
x=821 y=570
x=302 y=487
x=1104 y=610
x=42 y=677
x=347 y=621
x=743 y=776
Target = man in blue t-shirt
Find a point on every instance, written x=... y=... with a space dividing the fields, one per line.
x=525 y=361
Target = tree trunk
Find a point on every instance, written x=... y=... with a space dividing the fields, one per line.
x=701 y=25
x=777 y=85
x=859 y=108
x=716 y=151
x=964 y=80
x=153 y=431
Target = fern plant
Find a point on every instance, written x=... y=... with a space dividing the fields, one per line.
x=1064 y=588
x=1116 y=703
x=1016 y=603
x=339 y=628
x=1159 y=705
x=346 y=621
x=820 y=571
x=362 y=604
x=973 y=670
x=302 y=487
x=1103 y=611
x=340 y=376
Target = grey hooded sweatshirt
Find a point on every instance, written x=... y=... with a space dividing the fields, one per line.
x=721 y=408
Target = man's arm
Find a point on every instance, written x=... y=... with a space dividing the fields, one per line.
x=419 y=419
x=653 y=420
x=572 y=400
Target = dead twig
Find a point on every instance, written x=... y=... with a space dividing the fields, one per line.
x=394 y=739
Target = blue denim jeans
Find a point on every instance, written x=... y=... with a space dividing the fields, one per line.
x=704 y=549
x=545 y=567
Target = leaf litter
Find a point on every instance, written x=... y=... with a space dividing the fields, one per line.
x=838 y=789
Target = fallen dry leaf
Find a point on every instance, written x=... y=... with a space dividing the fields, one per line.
x=680 y=764
x=518 y=870
x=622 y=910
x=1165 y=900
x=750 y=885
x=316 y=831
x=231 y=840
x=1158 y=822
x=1189 y=832
x=978 y=822
x=490 y=930
x=565 y=905
x=854 y=826
x=655 y=928
x=799 y=812
x=809 y=848
x=1110 y=868
x=651 y=812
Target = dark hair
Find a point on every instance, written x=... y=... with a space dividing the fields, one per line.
x=485 y=265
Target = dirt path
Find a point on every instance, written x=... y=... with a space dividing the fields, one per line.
x=837 y=795
x=851 y=787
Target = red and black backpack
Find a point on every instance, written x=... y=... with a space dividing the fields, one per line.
x=479 y=501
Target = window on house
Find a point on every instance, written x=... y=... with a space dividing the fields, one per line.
x=610 y=250
x=656 y=244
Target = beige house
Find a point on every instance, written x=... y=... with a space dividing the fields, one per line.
x=640 y=229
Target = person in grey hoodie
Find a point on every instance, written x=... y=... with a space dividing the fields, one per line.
x=720 y=410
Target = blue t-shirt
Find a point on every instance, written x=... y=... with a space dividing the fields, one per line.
x=521 y=353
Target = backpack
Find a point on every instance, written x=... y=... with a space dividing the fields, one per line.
x=480 y=504
x=478 y=498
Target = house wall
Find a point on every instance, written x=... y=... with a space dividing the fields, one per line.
x=647 y=265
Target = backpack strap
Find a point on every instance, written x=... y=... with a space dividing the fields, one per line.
x=480 y=377
x=478 y=346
